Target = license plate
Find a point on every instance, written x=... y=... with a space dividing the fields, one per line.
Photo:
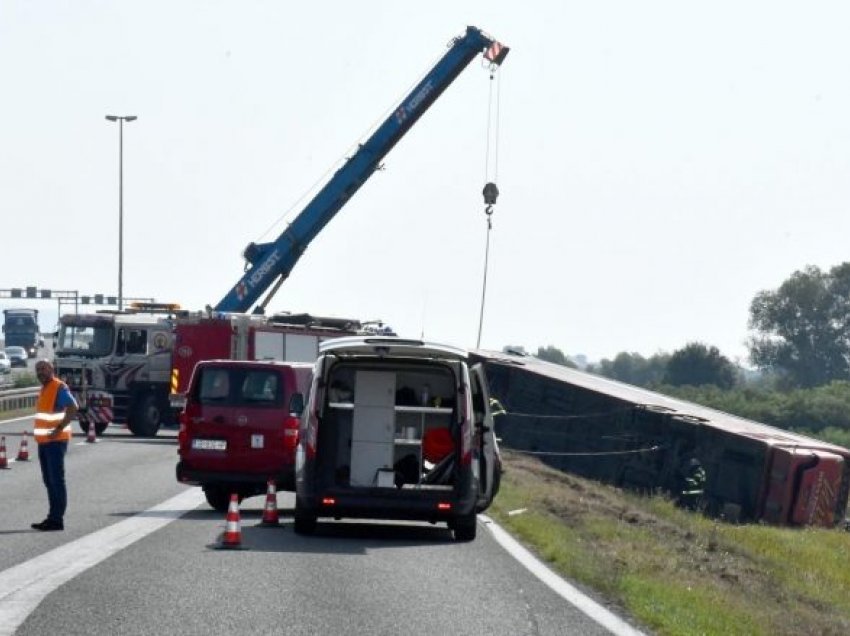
x=209 y=444
x=257 y=441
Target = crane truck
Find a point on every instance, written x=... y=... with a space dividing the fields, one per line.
x=226 y=330
x=269 y=264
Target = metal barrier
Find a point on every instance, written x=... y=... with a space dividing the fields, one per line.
x=15 y=399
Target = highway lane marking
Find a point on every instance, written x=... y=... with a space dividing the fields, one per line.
x=571 y=594
x=18 y=419
x=24 y=586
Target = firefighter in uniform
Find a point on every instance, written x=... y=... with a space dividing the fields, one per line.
x=692 y=484
x=55 y=409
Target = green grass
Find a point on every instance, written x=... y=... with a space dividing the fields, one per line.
x=9 y=415
x=24 y=380
x=678 y=572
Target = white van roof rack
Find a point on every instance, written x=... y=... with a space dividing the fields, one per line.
x=390 y=345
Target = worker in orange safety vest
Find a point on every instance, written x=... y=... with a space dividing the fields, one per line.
x=55 y=409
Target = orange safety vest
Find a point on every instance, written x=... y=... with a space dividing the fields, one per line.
x=45 y=419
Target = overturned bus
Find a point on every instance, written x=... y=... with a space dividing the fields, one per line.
x=638 y=439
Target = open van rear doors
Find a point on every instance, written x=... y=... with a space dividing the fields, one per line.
x=487 y=450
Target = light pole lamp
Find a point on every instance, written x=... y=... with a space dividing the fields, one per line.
x=121 y=119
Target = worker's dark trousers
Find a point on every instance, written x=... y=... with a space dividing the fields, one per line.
x=51 y=456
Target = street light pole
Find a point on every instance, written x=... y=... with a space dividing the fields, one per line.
x=121 y=119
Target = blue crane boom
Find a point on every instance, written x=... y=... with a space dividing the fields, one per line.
x=270 y=263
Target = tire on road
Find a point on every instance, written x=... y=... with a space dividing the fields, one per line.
x=145 y=416
x=465 y=528
x=99 y=427
x=304 y=522
x=218 y=497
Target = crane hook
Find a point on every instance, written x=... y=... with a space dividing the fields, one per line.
x=491 y=193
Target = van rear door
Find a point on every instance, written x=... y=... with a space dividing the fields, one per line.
x=485 y=438
x=240 y=427
x=309 y=430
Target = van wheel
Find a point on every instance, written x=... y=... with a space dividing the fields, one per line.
x=305 y=524
x=219 y=498
x=144 y=419
x=465 y=528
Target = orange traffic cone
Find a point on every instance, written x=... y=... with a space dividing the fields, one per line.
x=3 y=461
x=232 y=537
x=23 y=451
x=91 y=434
x=270 y=516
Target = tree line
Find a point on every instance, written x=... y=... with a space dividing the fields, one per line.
x=799 y=342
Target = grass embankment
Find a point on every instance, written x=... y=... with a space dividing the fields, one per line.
x=16 y=413
x=678 y=572
x=24 y=380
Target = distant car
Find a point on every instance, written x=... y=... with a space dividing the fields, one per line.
x=5 y=363
x=17 y=356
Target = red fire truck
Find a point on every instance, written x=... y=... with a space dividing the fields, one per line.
x=285 y=336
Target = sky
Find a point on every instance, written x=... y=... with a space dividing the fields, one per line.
x=659 y=163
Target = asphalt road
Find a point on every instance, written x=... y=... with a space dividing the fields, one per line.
x=351 y=578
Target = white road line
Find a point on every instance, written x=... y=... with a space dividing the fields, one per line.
x=18 y=419
x=24 y=586
x=571 y=594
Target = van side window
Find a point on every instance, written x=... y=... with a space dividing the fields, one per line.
x=296 y=404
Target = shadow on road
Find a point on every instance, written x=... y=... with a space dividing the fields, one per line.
x=149 y=441
x=332 y=537
x=339 y=537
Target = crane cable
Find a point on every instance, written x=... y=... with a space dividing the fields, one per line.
x=490 y=192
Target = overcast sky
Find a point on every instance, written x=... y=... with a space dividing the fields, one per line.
x=659 y=162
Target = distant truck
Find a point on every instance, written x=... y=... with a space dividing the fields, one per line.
x=133 y=367
x=20 y=329
x=118 y=365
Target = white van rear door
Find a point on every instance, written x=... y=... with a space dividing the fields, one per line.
x=485 y=436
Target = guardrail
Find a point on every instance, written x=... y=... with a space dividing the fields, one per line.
x=14 y=399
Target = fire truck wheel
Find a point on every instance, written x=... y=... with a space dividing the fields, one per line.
x=144 y=419
x=99 y=427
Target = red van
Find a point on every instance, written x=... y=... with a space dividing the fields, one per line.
x=239 y=427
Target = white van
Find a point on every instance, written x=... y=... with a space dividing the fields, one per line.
x=396 y=429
